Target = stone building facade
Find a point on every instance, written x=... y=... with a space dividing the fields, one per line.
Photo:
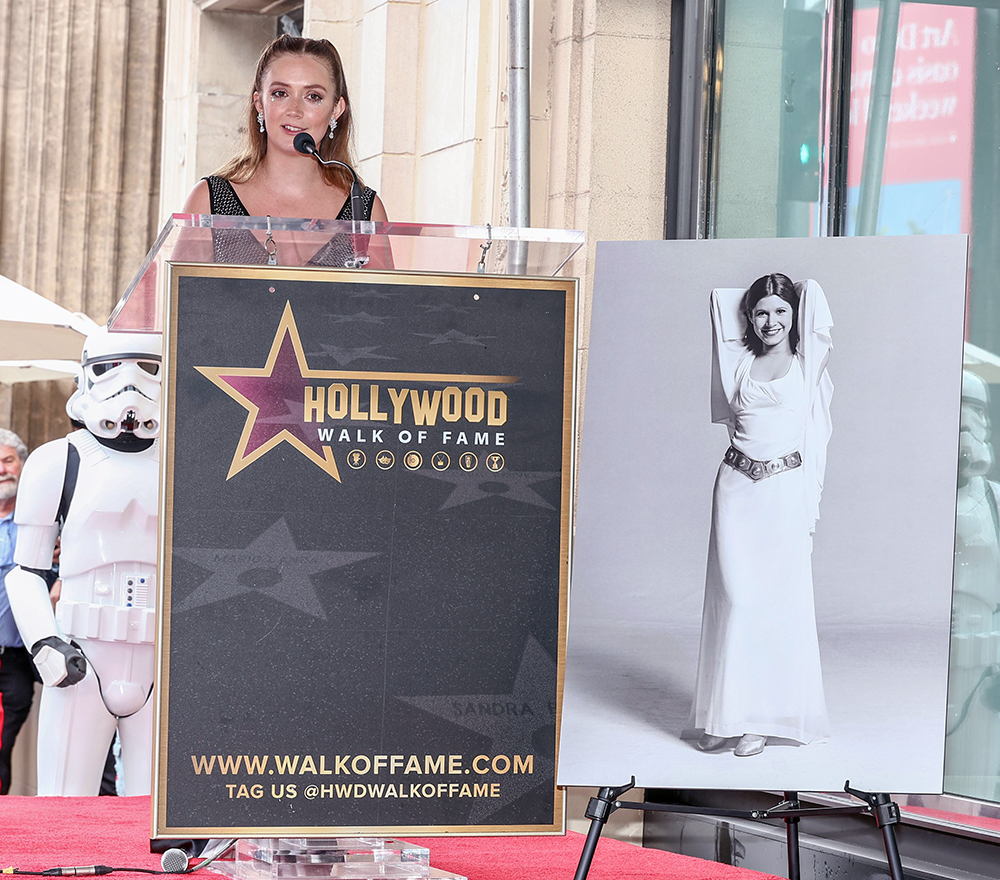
x=111 y=110
x=80 y=122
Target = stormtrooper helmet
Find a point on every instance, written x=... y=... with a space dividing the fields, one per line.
x=975 y=448
x=118 y=385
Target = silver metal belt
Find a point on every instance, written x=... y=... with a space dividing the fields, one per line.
x=760 y=470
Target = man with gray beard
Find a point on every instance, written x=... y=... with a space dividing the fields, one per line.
x=17 y=672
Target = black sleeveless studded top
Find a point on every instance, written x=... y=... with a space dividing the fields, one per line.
x=241 y=246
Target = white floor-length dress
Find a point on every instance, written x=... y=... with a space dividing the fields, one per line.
x=759 y=664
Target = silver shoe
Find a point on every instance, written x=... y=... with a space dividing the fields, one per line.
x=709 y=743
x=750 y=744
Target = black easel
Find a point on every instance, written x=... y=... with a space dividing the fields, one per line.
x=879 y=806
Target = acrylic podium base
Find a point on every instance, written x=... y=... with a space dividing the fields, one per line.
x=339 y=858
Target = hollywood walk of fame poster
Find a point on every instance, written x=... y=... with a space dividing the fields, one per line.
x=365 y=552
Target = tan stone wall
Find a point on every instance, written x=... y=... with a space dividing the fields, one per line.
x=80 y=85
x=428 y=83
x=87 y=180
x=604 y=127
x=608 y=90
x=209 y=65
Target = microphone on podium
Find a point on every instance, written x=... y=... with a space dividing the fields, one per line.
x=305 y=144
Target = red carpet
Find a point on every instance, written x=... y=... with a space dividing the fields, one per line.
x=38 y=833
x=961 y=818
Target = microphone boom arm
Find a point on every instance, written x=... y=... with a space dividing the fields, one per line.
x=305 y=144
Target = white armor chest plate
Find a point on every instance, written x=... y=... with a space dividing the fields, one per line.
x=108 y=558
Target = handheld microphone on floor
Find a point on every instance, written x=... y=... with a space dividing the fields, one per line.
x=82 y=871
x=174 y=861
x=304 y=143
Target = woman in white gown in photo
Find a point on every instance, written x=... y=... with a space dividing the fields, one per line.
x=759 y=670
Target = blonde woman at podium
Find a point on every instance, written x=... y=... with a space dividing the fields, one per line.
x=759 y=672
x=299 y=94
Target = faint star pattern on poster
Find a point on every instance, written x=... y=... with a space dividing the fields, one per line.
x=359 y=318
x=521 y=722
x=345 y=356
x=270 y=565
x=476 y=486
x=454 y=336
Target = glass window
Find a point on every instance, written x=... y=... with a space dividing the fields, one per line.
x=768 y=160
x=911 y=119
x=886 y=121
x=923 y=159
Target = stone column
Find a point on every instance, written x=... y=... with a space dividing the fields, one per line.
x=607 y=102
x=80 y=87
x=210 y=58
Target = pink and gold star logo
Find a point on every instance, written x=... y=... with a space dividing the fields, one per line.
x=273 y=397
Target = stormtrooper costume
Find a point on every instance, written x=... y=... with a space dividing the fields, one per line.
x=97 y=487
x=972 y=744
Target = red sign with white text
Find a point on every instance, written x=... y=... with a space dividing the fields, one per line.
x=929 y=138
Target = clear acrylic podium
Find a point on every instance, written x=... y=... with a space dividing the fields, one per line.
x=282 y=242
x=359 y=858
x=416 y=247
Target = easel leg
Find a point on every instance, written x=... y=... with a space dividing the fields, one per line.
x=892 y=853
x=792 y=835
x=598 y=811
x=886 y=817
x=589 y=847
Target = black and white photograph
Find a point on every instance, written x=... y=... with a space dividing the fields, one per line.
x=766 y=515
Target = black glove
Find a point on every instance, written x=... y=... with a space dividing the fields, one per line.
x=59 y=671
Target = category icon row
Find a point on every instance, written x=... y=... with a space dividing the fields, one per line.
x=412 y=460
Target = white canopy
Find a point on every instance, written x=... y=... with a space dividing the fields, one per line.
x=982 y=362
x=31 y=371
x=34 y=328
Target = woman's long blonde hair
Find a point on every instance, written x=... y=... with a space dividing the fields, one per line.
x=242 y=166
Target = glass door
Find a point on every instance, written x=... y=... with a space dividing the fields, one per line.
x=923 y=159
x=771 y=116
x=882 y=117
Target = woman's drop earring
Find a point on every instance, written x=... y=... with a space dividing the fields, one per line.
x=260 y=120
x=333 y=125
